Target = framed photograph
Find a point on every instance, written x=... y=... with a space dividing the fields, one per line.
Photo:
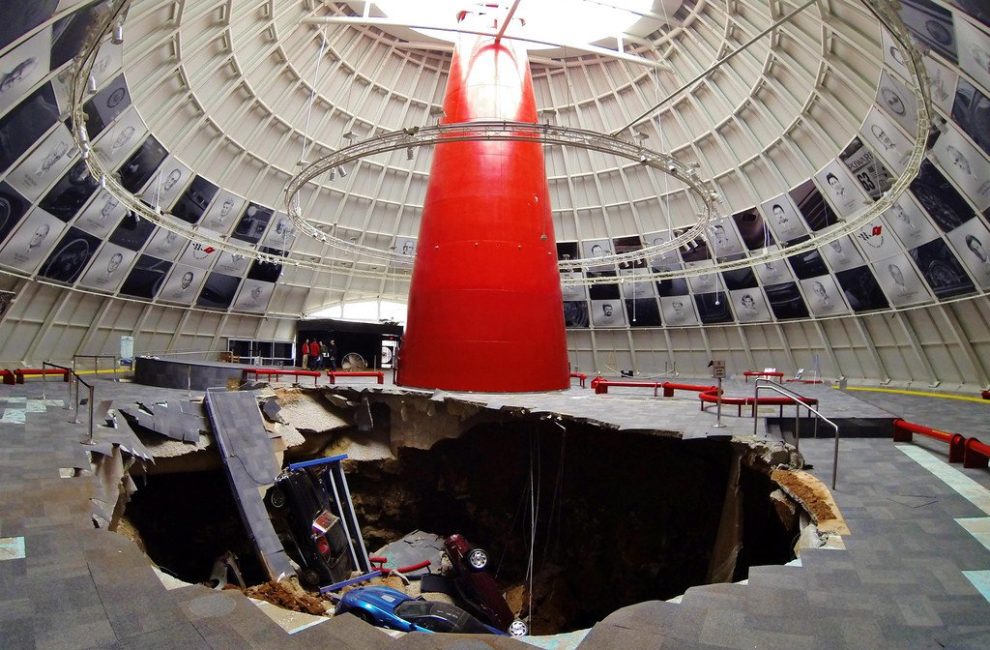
x=974 y=52
x=812 y=205
x=17 y=17
x=103 y=108
x=941 y=84
x=109 y=268
x=900 y=281
x=25 y=124
x=254 y=296
x=102 y=215
x=941 y=270
x=783 y=218
x=200 y=253
x=23 y=67
x=573 y=292
x=194 y=201
x=13 y=207
x=775 y=272
x=892 y=55
x=702 y=283
x=861 y=289
x=604 y=291
x=898 y=102
x=743 y=278
x=823 y=296
x=576 y=314
x=636 y=284
x=678 y=310
x=808 y=264
x=841 y=254
x=265 y=271
x=183 y=284
x=165 y=244
x=643 y=312
x=597 y=248
x=892 y=145
x=223 y=211
x=843 y=192
x=566 y=250
x=965 y=164
x=749 y=305
x=252 y=223
x=167 y=183
x=786 y=301
x=117 y=141
x=695 y=251
x=909 y=222
x=71 y=31
x=282 y=233
x=753 y=229
x=877 y=241
x=972 y=244
x=146 y=277
x=142 y=164
x=870 y=174
x=672 y=286
x=668 y=258
x=723 y=239
x=947 y=208
x=70 y=256
x=930 y=24
x=70 y=193
x=50 y=159
x=713 y=307
x=218 y=292
x=132 y=232
x=33 y=240
x=971 y=111
x=232 y=263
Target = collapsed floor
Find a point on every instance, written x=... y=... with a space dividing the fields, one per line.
x=603 y=519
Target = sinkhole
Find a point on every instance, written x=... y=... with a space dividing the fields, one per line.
x=601 y=519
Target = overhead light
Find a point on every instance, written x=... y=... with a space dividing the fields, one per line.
x=92 y=84
x=409 y=153
x=341 y=171
x=333 y=174
x=103 y=182
x=118 y=34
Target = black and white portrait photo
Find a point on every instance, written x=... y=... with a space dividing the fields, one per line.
x=971 y=242
x=23 y=67
x=167 y=184
x=570 y=291
x=254 y=296
x=841 y=254
x=897 y=101
x=183 y=284
x=823 y=296
x=101 y=216
x=223 y=212
x=32 y=241
x=678 y=310
x=115 y=143
x=47 y=162
x=749 y=305
x=595 y=248
x=912 y=225
x=166 y=244
x=890 y=143
x=842 y=191
x=109 y=268
x=900 y=281
x=965 y=164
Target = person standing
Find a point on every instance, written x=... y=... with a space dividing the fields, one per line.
x=314 y=355
x=304 y=353
x=324 y=353
x=332 y=354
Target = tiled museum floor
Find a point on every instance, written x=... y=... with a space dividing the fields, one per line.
x=911 y=576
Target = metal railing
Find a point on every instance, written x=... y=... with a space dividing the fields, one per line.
x=74 y=380
x=766 y=384
x=96 y=362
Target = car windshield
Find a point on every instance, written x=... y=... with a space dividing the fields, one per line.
x=440 y=617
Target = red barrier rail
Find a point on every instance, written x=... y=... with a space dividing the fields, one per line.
x=333 y=374
x=976 y=454
x=580 y=376
x=985 y=394
x=903 y=431
x=711 y=397
x=21 y=373
x=762 y=373
x=601 y=386
x=275 y=372
x=8 y=377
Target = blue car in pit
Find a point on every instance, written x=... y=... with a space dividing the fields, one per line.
x=392 y=609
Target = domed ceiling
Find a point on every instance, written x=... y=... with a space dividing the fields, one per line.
x=801 y=116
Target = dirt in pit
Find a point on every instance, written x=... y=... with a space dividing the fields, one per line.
x=289 y=596
x=814 y=497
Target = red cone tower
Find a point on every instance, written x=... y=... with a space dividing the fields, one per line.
x=485 y=310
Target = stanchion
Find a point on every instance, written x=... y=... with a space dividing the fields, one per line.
x=718 y=406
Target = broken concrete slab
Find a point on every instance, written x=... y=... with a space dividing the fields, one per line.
x=181 y=420
x=249 y=461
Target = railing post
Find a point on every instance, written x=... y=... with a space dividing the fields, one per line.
x=797 y=427
x=91 y=396
x=44 y=387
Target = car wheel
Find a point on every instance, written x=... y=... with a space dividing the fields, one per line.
x=276 y=498
x=477 y=558
x=309 y=578
x=518 y=628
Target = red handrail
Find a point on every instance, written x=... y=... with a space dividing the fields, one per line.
x=976 y=454
x=903 y=431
